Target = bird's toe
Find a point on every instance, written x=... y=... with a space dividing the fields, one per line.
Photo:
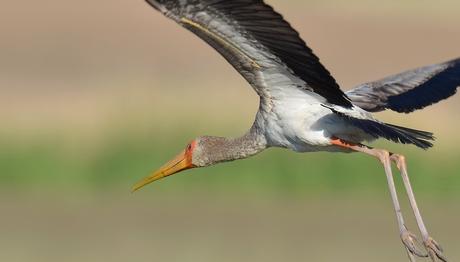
x=435 y=250
x=412 y=244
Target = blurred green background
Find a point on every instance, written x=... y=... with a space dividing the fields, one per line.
x=96 y=94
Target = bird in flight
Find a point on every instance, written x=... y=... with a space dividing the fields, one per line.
x=302 y=108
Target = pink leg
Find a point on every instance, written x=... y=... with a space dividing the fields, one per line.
x=434 y=249
x=409 y=239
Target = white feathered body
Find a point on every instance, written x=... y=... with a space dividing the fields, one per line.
x=298 y=119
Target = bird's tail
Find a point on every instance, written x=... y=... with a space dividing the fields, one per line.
x=419 y=138
x=377 y=129
x=397 y=134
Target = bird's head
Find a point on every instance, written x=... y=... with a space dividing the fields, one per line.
x=205 y=151
x=197 y=153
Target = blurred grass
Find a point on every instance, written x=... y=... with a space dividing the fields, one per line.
x=123 y=158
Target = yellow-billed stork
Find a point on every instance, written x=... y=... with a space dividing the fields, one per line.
x=301 y=105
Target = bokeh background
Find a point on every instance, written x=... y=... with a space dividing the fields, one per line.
x=96 y=94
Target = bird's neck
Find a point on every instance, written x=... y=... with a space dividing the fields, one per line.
x=220 y=149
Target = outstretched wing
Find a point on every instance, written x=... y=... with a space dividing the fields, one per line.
x=258 y=43
x=409 y=91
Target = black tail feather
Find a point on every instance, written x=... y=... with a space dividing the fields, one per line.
x=417 y=137
x=395 y=133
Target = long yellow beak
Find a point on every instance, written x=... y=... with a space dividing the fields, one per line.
x=179 y=163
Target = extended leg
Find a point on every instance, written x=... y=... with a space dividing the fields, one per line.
x=434 y=249
x=409 y=239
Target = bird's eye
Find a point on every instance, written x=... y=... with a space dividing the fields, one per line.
x=189 y=147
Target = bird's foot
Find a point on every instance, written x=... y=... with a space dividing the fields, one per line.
x=413 y=245
x=435 y=250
